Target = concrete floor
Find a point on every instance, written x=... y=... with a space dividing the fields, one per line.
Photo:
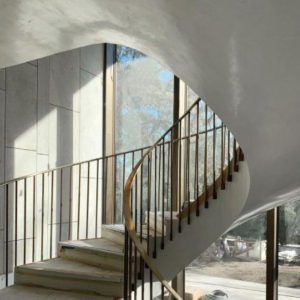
x=237 y=289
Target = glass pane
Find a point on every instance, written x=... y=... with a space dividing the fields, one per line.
x=143 y=113
x=234 y=264
x=144 y=99
x=289 y=250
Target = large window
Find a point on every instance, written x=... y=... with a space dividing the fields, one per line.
x=235 y=263
x=289 y=249
x=143 y=112
x=144 y=100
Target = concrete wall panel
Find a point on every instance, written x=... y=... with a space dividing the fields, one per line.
x=21 y=103
x=91 y=118
x=46 y=127
x=43 y=106
x=92 y=59
x=19 y=162
x=33 y=62
x=2 y=134
x=64 y=80
x=64 y=137
x=2 y=79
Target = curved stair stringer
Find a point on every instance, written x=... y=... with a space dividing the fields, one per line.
x=205 y=229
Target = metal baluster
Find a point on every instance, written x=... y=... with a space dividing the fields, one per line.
x=172 y=189
x=136 y=229
x=136 y=202
x=205 y=160
x=151 y=285
x=70 y=201
x=79 y=198
x=222 y=157
x=33 y=221
x=188 y=168
x=61 y=203
x=25 y=217
x=97 y=199
x=135 y=273
x=88 y=203
x=143 y=279
x=155 y=202
x=51 y=221
x=104 y=185
x=228 y=156
x=6 y=238
x=131 y=194
x=141 y=213
x=16 y=223
x=214 y=158
x=149 y=203
x=125 y=286
x=124 y=166
x=159 y=180
x=115 y=190
x=162 y=246
x=179 y=177
x=197 y=163
x=168 y=176
x=235 y=151
x=130 y=268
x=162 y=292
x=43 y=216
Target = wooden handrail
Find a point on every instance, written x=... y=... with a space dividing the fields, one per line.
x=193 y=206
x=127 y=213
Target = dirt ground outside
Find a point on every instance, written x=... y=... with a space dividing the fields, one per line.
x=245 y=269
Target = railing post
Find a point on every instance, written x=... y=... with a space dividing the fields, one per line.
x=175 y=147
x=272 y=254
x=109 y=132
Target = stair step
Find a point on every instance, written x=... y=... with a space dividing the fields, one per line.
x=69 y=275
x=159 y=219
x=116 y=233
x=96 y=252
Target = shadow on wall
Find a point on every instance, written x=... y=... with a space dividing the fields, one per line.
x=53 y=117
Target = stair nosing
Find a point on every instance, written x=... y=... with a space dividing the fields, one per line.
x=92 y=250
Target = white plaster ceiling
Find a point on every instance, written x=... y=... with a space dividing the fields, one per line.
x=241 y=56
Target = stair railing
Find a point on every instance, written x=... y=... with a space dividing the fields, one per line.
x=174 y=177
x=59 y=204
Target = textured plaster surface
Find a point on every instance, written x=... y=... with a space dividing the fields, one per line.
x=241 y=57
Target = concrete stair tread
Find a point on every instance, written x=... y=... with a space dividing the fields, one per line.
x=21 y=292
x=100 y=246
x=167 y=215
x=120 y=229
x=59 y=267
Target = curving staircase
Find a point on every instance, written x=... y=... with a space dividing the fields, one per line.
x=182 y=194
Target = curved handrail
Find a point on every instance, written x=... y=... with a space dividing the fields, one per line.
x=126 y=207
x=210 y=190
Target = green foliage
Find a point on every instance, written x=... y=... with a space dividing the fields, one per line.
x=289 y=225
x=255 y=228
x=144 y=100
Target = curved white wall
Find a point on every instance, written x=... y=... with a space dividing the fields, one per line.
x=205 y=229
x=242 y=57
